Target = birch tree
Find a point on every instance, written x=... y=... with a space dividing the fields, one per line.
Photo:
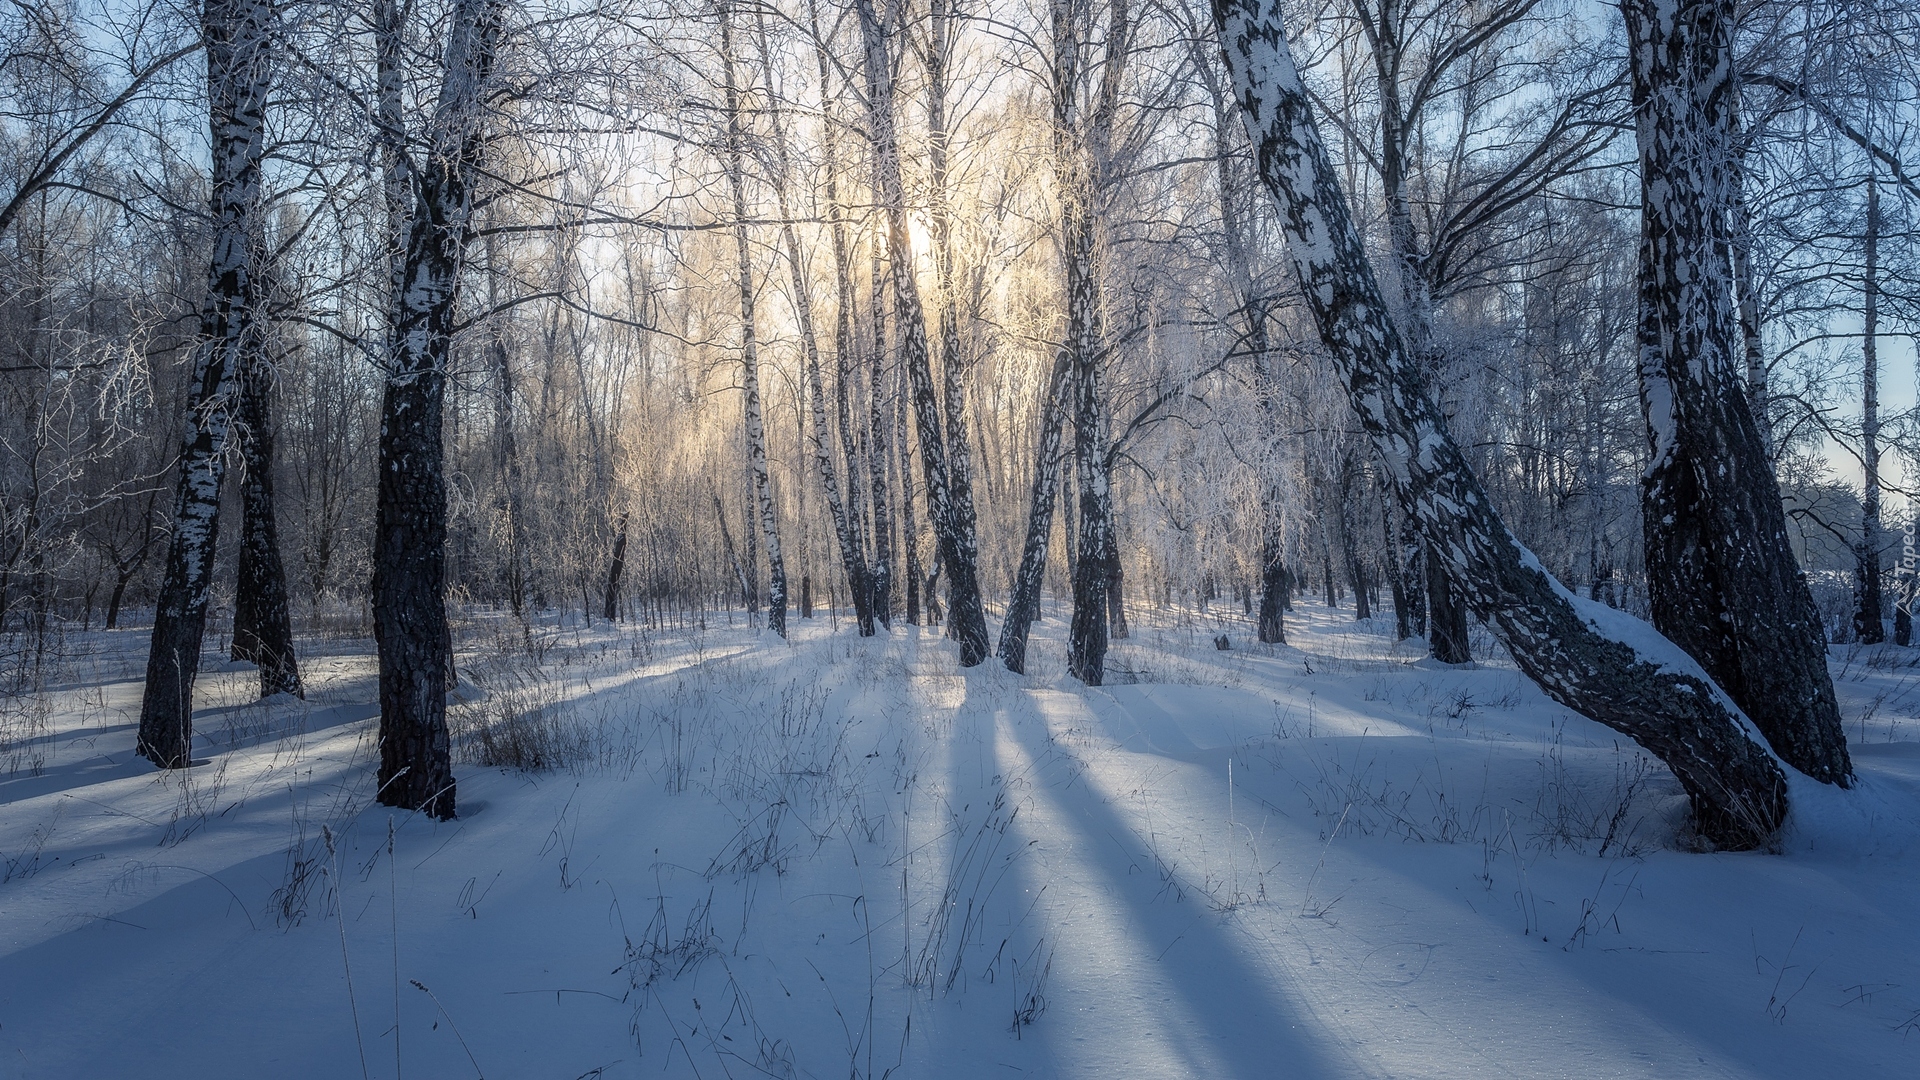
x=756 y=435
x=966 y=616
x=1721 y=574
x=235 y=34
x=1584 y=655
x=845 y=529
x=409 y=578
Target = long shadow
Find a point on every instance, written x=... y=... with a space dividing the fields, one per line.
x=168 y=968
x=1228 y=1017
x=1591 y=992
x=107 y=752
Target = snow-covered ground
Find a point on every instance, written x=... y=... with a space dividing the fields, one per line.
x=837 y=857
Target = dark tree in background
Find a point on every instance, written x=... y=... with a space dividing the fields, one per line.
x=262 y=616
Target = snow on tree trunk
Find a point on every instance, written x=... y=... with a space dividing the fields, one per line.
x=239 y=74
x=1722 y=578
x=1586 y=656
x=410 y=530
x=756 y=432
x=1081 y=161
x=952 y=359
x=262 y=619
x=967 y=621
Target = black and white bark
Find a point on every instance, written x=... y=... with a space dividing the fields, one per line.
x=845 y=530
x=967 y=622
x=859 y=582
x=235 y=35
x=943 y=29
x=1082 y=139
x=754 y=419
x=1586 y=656
x=410 y=533
x=879 y=437
x=1023 y=606
x=1722 y=578
x=1867 y=625
x=262 y=615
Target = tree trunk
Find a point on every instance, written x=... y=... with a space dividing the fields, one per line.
x=1740 y=251
x=1584 y=655
x=409 y=553
x=953 y=362
x=1350 y=544
x=1722 y=578
x=1867 y=626
x=262 y=621
x=1446 y=617
x=756 y=432
x=1081 y=151
x=1254 y=310
x=845 y=531
x=506 y=454
x=1397 y=573
x=239 y=73
x=965 y=613
x=1087 y=632
x=1024 y=605
x=610 y=610
x=879 y=448
x=902 y=471
x=1117 y=627
x=740 y=573
x=848 y=531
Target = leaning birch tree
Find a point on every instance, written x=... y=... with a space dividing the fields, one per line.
x=1588 y=657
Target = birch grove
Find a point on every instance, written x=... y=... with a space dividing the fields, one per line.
x=1564 y=336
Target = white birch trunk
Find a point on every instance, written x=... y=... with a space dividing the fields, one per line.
x=1586 y=656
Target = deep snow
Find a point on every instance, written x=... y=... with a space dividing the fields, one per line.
x=839 y=857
